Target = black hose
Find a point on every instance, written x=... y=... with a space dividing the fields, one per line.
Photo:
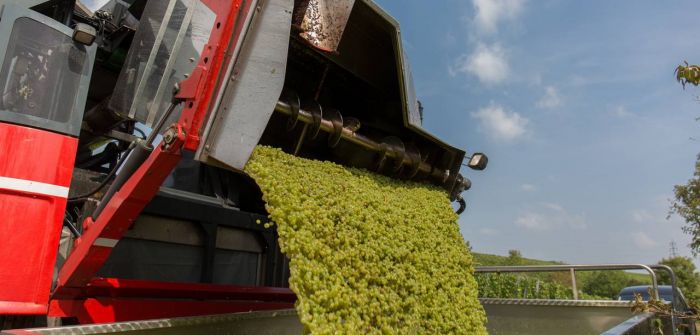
x=109 y=154
x=103 y=183
x=71 y=227
x=462 y=204
x=143 y=135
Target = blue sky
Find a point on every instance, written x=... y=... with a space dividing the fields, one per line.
x=576 y=105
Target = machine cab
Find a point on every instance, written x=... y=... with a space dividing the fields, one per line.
x=43 y=87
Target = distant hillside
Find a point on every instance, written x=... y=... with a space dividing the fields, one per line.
x=494 y=260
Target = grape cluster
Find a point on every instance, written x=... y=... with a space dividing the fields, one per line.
x=368 y=254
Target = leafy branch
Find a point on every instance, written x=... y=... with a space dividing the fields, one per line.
x=661 y=309
x=688 y=74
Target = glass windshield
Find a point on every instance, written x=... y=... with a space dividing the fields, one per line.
x=41 y=72
x=168 y=42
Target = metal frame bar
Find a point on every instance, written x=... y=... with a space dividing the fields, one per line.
x=674 y=294
x=572 y=269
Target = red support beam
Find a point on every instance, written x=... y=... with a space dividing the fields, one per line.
x=129 y=288
x=94 y=246
x=200 y=90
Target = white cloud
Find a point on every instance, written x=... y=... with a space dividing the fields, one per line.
x=501 y=124
x=551 y=99
x=549 y=216
x=621 y=112
x=533 y=221
x=642 y=216
x=528 y=187
x=643 y=241
x=489 y=13
x=488 y=63
x=553 y=206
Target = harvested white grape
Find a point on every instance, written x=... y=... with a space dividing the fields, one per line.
x=368 y=254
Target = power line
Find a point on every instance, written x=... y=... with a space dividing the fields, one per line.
x=673 y=250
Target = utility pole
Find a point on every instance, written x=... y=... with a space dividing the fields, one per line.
x=673 y=251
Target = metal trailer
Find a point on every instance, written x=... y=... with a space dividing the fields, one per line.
x=547 y=317
x=543 y=316
x=506 y=316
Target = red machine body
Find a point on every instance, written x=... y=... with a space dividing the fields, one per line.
x=37 y=163
x=31 y=192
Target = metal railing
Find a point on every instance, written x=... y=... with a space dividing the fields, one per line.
x=594 y=267
x=572 y=269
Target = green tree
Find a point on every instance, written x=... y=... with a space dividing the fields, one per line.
x=515 y=257
x=687 y=278
x=607 y=284
x=687 y=196
x=687 y=205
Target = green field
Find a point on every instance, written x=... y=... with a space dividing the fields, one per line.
x=492 y=260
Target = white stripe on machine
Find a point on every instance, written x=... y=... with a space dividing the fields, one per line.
x=30 y=186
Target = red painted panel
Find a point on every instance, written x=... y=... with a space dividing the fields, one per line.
x=37 y=155
x=22 y=307
x=31 y=222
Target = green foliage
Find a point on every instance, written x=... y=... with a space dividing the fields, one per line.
x=368 y=254
x=608 y=284
x=687 y=205
x=688 y=74
x=687 y=278
x=686 y=202
x=592 y=284
x=515 y=257
x=502 y=285
x=511 y=286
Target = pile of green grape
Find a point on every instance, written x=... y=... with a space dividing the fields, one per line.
x=368 y=254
